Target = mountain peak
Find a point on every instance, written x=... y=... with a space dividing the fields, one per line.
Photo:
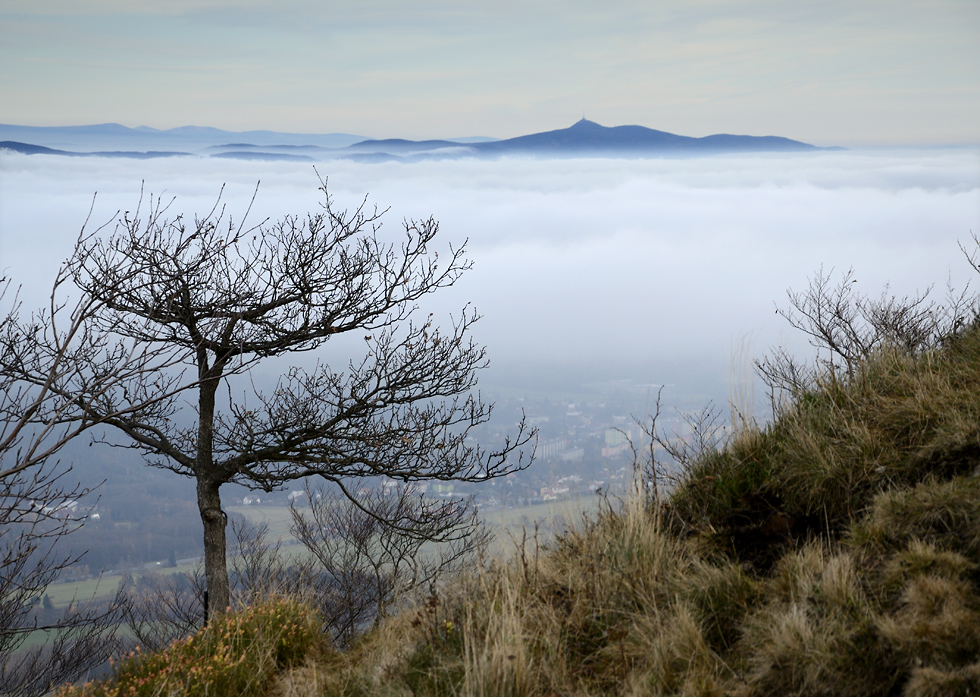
x=585 y=123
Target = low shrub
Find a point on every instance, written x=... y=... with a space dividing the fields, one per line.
x=237 y=654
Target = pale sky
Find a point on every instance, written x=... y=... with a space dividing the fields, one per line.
x=851 y=72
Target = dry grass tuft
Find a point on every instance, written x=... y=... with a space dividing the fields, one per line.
x=937 y=622
x=945 y=512
x=936 y=682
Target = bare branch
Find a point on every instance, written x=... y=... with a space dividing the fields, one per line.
x=174 y=308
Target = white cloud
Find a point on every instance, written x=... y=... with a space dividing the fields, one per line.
x=648 y=269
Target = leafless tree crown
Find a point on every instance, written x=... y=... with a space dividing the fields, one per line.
x=217 y=299
x=51 y=363
x=846 y=327
x=179 y=312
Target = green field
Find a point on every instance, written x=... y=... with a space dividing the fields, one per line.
x=507 y=525
x=511 y=521
x=278 y=518
x=63 y=593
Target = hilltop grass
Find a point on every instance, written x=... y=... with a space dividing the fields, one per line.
x=835 y=551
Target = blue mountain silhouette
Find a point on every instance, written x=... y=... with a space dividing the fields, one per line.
x=587 y=135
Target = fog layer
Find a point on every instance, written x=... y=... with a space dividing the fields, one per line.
x=653 y=270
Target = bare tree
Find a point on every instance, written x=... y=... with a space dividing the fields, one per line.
x=50 y=363
x=380 y=547
x=670 y=457
x=34 y=520
x=163 y=608
x=846 y=327
x=204 y=302
x=364 y=557
x=56 y=365
x=260 y=568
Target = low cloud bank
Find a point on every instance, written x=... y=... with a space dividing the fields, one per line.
x=591 y=269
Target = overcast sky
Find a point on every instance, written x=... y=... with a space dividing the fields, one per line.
x=831 y=73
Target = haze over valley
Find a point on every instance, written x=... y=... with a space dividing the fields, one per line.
x=261 y=207
x=599 y=279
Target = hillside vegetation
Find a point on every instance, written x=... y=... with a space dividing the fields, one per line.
x=834 y=551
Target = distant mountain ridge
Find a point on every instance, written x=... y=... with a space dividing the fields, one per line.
x=29 y=149
x=587 y=135
x=114 y=136
x=582 y=139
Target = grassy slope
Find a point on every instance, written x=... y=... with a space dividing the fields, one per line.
x=835 y=552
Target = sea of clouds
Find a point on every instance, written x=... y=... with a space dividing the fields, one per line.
x=649 y=270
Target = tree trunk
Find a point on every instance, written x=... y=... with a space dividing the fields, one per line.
x=215 y=564
x=208 y=492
